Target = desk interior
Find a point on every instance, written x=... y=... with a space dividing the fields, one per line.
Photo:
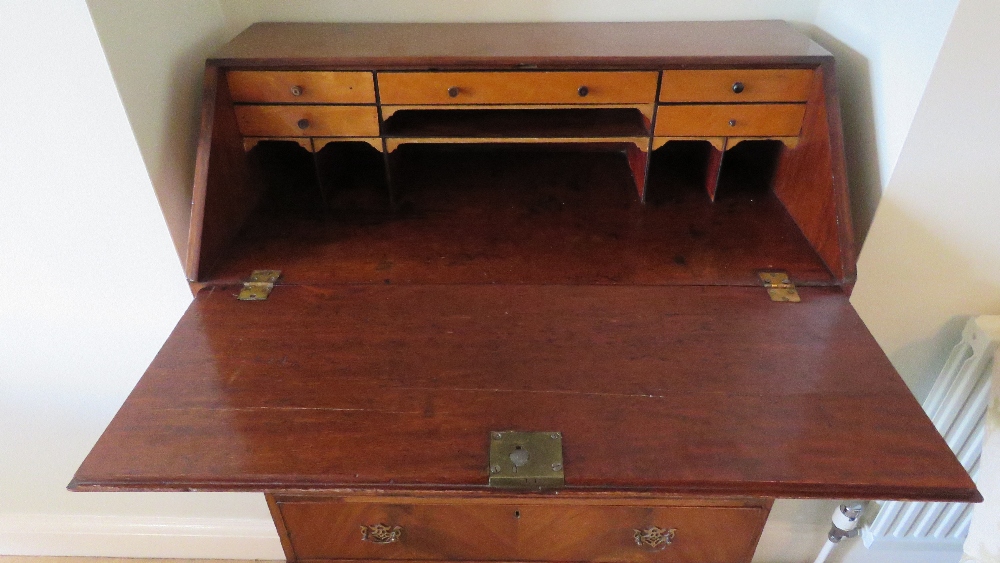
x=523 y=215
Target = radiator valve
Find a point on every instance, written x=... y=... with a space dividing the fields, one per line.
x=845 y=521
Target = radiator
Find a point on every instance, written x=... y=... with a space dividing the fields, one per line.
x=957 y=407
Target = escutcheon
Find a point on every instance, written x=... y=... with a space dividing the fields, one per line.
x=654 y=537
x=381 y=533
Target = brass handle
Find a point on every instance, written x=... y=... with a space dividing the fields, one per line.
x=583 y=91
x=453 y=91
x=296 y=90
x=654 y=537
x=303 y=123
x=381 y=533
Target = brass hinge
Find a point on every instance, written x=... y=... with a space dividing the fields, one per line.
x=259 y=286
x=780 y=287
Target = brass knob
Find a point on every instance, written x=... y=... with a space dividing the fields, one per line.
x=737 y=87
x=732 y=123
x=381 y=533
x=583 y=91
x=303 y=123
x=453 y=91
x=296 y=90
x=654 y=537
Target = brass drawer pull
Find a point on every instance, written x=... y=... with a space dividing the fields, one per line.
x=381 y=533
x=654 y=537
x=296 y=90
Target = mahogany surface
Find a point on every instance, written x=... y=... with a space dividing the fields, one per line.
x=707 y=390
x=510 y=45
x=537 y=217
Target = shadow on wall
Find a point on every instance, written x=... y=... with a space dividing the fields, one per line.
x=857 y=113
x=917 y=290
x=157 y=58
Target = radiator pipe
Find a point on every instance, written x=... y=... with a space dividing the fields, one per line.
x=845 y=525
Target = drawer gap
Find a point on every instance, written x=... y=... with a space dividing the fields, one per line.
x=499 y=123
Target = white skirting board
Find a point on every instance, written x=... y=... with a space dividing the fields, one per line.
x=139 y=536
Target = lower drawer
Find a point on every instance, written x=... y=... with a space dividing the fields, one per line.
x=307 y=121
x=729 y=120
x=521 y=531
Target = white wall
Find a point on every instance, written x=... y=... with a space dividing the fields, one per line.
x=885 y=51
x=933 y=253
x=92 y=288
x=79 y=347
x=157 y=57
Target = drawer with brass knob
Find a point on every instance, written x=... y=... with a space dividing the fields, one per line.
x=517 y=87
x=736 y=85
x=301 y=87
x=519 y=529
x=729 y=120
x=307 y=121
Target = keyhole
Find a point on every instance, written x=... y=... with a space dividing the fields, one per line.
x=519 y=457
x=517 y=514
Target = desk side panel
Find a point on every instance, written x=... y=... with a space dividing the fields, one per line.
x=811 y=182
x=225 y=190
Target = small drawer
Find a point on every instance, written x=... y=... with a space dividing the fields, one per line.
x=307 y=121
x=735 y=85
x=521 y=532
x=729 y=120
x=417 y=88
x=301 y=87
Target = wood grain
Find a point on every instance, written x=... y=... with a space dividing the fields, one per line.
x=693 y=390
x=822 y=211
x=522 y=530
x=226 y=190
x=759 y=85
x=729 y=120
x=551 y=215
x=649 y=45
x=517 y=87
x=322 y=121
x=313 y=87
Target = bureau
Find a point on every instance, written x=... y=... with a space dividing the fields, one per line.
x=522 y=292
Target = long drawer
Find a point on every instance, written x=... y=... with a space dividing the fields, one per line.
x=307 y=121
x=521 y=531
x=729 y=120
x=301 y=87
x=513 y=87
x=736 y=85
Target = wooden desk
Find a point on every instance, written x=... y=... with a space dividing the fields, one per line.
x=609 y=293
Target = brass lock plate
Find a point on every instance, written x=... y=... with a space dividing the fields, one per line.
x=526 y=460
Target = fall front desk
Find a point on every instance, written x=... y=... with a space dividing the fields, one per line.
x=522 y=292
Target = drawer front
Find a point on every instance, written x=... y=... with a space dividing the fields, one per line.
x=524 y=532
x=517 y=87
x=730 y=120
x=735 y=85
x=307 y=121
x=302 y=87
